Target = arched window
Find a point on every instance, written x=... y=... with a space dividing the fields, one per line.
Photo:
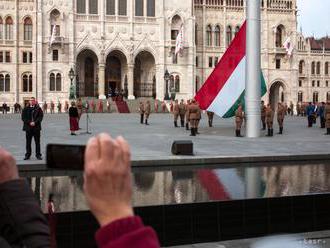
x=58 y=82
x=81 y=6
x=27 y=82
x=237 y=30
x=9 y=28
x=217 y=36
x=1 y=28
x=315 y=97
x=318 y=68
x=175 y=26
x=52 y=82
x=171 y=82
x=229 y=35
x=177 y=84
x=4 y=82
x=279 y=36
x=301 y=67
x=328 y=96
x=300 y=96
x=313 y=68
x=209 y=35
x=27 y=28
x=111 y=7
x=151 y=9
x=326 y=68
x=55 y=20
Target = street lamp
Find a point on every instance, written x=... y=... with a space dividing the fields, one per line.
x=72 y=90
x=167 y=78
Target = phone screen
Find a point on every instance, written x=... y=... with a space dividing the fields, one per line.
x=65 y=157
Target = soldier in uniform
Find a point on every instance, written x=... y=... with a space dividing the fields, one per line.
x=147 y=112
x=281 y=110
x=239 y=117
x=141 y=111
x=269 y=120
x=327 y=117
x=193 y=116
x=52 y=107
x=176 y=111
x=59 y=107
x=187 y=115
x=156 y=106
x=199 y=117
x=263 y=115
x=182 y=112
x=210 y=115
x=44 y=107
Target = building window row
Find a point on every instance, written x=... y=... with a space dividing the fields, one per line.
x=213 y=35
x=6 y=28
x=315 y=96
x=175 y=83
x=117 y=7
x=317 y=83
x=5 y=57
x=316 y=68
x=4 y=82
x=27 y=82
x=213 y=61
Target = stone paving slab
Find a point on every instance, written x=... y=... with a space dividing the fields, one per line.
x=154 y=142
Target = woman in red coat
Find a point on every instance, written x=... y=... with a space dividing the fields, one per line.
x=74 y=118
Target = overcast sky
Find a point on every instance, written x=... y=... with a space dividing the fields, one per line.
x=314 y=17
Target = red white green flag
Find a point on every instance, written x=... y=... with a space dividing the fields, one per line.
x=224 y=90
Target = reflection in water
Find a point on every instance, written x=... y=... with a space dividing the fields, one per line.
x=189 y=186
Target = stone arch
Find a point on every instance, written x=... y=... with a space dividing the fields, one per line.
x=144 y=48
x=90 y=47
x=87 y=73
x=278 y=92
x=279 y=35
x=116 y=70
x=144 y=79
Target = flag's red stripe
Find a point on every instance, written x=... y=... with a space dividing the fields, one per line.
x=224 y=69
x=213 y=186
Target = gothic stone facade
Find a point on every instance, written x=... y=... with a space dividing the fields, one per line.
x=128 y=44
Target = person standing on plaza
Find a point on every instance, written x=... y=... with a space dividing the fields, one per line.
x=141 y=111
x=187 y=115
x=280 y=116
x=321 y=114
x=93 y=107
x=59 y=107
x=156 y=106
x=327 y=117
x=270 y=120
x=263 y=115
x=199 y=117
x=291 y=108
x=32 y=116
x=4 y=108
x=108 y=106
x=163 y=106
x=239 y=117
x=182 y=112
x=310 y=114
x=44 y=107
x=193 y=116
x=52 y=107
x=210 y=116
x=73 y=118
x=176 y=111
x=147 y=112
x=66 y=107
x=100 y=106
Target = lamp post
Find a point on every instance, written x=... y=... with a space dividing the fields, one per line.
x=167 y=78
x=72 y=90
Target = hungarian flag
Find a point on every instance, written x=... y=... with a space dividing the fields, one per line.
x=224 y=90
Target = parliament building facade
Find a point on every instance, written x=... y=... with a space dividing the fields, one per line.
x=129 y=44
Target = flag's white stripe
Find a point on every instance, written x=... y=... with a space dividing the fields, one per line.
x=233 y=184
x=231 y=91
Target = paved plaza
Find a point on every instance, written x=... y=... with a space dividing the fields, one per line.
x=154 y=142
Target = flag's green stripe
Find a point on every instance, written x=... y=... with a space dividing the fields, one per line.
x=231 y=112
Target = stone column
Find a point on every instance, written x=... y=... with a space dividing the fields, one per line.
x=101 y=81
x=130 y=78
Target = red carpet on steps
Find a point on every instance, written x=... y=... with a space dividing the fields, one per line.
x=122 y=107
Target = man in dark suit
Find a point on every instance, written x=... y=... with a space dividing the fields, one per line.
x=32 y=116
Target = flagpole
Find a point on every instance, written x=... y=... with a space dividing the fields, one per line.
x=253 y=73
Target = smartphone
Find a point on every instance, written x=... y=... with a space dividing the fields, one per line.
x=65 y=157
